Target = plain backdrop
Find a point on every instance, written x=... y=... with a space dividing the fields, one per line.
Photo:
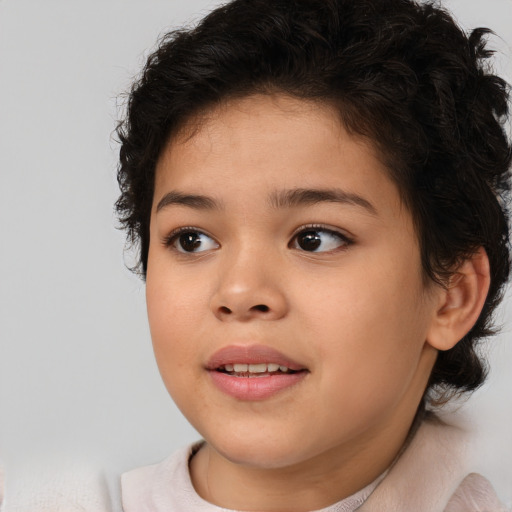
x=77 y=376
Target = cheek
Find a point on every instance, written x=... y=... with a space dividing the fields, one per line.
x=373 y=323
x=174 y=298
x=172 y=307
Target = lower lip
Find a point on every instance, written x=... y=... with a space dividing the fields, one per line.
x=255 y=388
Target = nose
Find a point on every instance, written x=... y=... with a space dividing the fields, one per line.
x=248 y=289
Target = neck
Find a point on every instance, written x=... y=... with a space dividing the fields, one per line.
x=310 y=485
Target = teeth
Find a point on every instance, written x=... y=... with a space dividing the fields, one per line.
x=255 y=368
x=258 y=368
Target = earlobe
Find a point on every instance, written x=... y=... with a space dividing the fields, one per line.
x=461 y=303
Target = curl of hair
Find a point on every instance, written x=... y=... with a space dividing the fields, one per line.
x=400 y=73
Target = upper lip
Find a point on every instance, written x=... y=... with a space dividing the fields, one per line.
x=250 y=354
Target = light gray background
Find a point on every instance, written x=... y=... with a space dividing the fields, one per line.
x=77 y=377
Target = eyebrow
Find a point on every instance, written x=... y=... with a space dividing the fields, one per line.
x=306 y=196
x=282 y=199
x=197 y=202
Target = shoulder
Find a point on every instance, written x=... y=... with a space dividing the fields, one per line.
x=49 y=487
x=475 y=494
x=428 y=475
x=165 y=486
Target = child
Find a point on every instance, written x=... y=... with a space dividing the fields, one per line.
x=318 y=189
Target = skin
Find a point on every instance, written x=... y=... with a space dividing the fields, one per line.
x=357 y=315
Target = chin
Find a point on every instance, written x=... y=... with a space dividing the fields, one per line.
x=257 y=453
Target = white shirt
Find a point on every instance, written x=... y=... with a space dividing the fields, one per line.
x=429 y=476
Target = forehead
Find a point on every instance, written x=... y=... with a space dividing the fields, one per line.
x=257 y=119
x=264 y=144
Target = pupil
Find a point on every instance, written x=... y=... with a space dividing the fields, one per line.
x=309 y=241
x=190 y=241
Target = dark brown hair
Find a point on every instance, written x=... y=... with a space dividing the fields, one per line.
x=400 y=73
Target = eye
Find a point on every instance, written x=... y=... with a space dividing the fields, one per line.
x=191 y=241
x=319 y=240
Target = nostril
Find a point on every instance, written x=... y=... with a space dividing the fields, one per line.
x=225 y=310
x=261 y=307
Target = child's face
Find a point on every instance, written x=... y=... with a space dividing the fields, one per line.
x=294 y=250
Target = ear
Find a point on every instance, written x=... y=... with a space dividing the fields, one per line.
x=461 y=302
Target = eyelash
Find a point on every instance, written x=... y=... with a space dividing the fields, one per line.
x=344 y=238
x=171 y=239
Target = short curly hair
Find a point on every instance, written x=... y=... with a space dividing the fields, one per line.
x=399 y=73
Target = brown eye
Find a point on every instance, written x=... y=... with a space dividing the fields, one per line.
x=319 y=240
x=309 y=240
x=190 y=241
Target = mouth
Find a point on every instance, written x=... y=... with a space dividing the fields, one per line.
x=254 y=359
x=254 y=372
